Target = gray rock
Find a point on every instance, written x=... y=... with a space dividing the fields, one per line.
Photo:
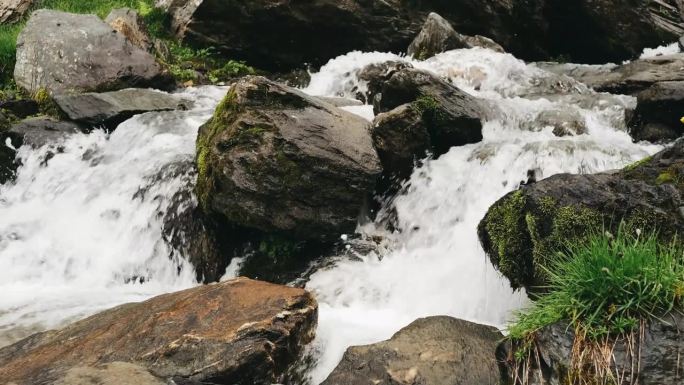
x=277 y=160
x=526 y=225
x=41 y=131
x=563 y=121
x=438 y=36
x=68 y=53
x=656 y=354
x=680 y=43
x=340 y=102
x=11 y=11
x=115 y=373
x=430 y=351
x=658 y=113
x=109 y=109
x=401 y=138
x=128 y=23
x=629 y=79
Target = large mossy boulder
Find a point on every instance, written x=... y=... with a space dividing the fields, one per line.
x=68 y=53
x=430 y=351
x=240 y=332
x=276 y=160
x=521 y=231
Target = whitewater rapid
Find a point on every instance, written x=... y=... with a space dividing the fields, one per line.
x=76 y=236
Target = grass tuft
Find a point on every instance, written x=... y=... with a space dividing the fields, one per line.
x=607 y=285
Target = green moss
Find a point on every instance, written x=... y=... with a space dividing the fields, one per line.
x=507 y=232
x=638 y=163
x=669 y=176
x=426 y=104
x=46 y=104
x=230 y=70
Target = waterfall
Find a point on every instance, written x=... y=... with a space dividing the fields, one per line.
x=80 y=229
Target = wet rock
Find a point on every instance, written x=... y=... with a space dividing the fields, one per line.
x=240 y=332
x=375 y=75
x=21 y=108
x=68 y=53
x=40 y=131
x=630 y=78
x=109 y=109
x=115 y=373
x=402 y=139
x=11 y=11
x=655 y=354
x=128 y=23
x=658 y=113
x=564 y=122
x=430 y=351
x=340 y=102
x=276 y=160
x=526 y=225
x=438 y=36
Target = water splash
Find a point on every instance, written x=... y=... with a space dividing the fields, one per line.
x=436 y=265
x=80 y=229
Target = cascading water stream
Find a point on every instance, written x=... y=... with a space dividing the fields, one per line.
x=83 y=232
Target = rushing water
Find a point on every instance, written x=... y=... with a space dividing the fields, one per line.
x=77 y=235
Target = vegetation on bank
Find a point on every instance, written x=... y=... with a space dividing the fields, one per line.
x=185 y=63
x=606 y=288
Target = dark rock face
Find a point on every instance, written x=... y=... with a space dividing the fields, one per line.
x=524 y=227
x=418 y=114
x=238 y=332
x=279 y=35
x=21 y=108
x=99 y=59
x=430 y=351
x=658 y=113
x=276 y=160
x=12 y=11
x=109 y=109
x=38 y=132
x=627 y=79
x=658 y=361
x=438 y=36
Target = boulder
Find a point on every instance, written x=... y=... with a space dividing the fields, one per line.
x=237 y=332
x=658 y=114
x=654 y=355
x=438 y=36
x=109 y=109
x=418 y=114
x=402 y=139
x=12 y=11
x=68 y=53
x=522 y=229
x=430 y=351
x=276 y=160
x=629 y=78
x=128 y=23
x=40 y=131
x=280 y=35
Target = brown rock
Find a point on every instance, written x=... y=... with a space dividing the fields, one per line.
x=12 y=11
x=129 y=23
x=236 y=332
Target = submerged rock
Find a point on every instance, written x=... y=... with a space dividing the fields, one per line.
x=128 y=23
x=239 y=332
x=523 y=228
x=653 y=359
x=430 y=351
x=109 y=109
x=277 y=160
x=629 y=78
x=68 y=53
x=658 y=114
x=438 y=36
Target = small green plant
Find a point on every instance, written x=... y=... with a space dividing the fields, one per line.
x=606 y=285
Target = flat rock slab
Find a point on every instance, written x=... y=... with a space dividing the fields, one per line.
x=236 y=332
x=112 y=108
x=430 y=351
x=68 y=53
